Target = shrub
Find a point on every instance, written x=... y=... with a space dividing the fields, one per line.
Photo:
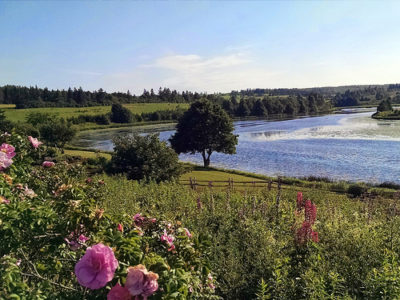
x=356 y=190
x=120 y=114
x=57 y=242
x=145 y=157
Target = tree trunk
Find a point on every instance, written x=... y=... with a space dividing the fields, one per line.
x=206 y=159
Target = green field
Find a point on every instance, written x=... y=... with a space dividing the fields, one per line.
x=67 y=112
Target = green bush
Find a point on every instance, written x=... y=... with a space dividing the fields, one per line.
x=144 y=157
x=52 y=216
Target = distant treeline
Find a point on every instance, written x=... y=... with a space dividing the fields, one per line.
x=275 y=101
x=328 y=91
x=30 y=97
x=262 y=107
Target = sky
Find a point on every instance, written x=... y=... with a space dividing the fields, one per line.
x=199 y=46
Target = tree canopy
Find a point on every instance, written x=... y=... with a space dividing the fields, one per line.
x=144 y=157
x=204 y=128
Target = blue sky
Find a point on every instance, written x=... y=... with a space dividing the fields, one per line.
x=198 y=46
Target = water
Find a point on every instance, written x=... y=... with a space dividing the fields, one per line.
x=352 y=147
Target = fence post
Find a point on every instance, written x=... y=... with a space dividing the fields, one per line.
x=194 y=183
x=191 y=183
x=269 y=185
x=210 y=184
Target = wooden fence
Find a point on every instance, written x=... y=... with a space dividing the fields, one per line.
x=230 y=183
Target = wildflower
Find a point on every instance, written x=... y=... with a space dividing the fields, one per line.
x=187 y=233
x=310 y=212
x=99 y=213
x=101 y=182
x=120 y=228
x=4 y=200
x=210 y=282
x=8 y=149
x=169 y=239
x=83 y=238
x=96 y=267
x=34 y=142
x=299 y=202
x=139 y=220
x=5 y=161
x=119 y=292
x=29 y=192
x=75 y=242
x=89 y=180
x=48 y=164
x=18 y=262
x=8 y=179
x=140 y=282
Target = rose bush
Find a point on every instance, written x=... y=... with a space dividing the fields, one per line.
x=57 y=242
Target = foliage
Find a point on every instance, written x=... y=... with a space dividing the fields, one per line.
x=144 y=157
x=120 y=114
x=204 y=128
x=384 y=105
x=57 y=132
x=50 y=216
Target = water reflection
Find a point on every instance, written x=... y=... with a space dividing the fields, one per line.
x=341 y=146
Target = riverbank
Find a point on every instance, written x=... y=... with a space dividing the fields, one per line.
x=387 y=115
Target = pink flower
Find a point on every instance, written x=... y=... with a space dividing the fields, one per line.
x=96 y=267
x=169 y=239
x=119 y=292
x=187 y=233
x=140 y=282
x=83 y=239
x=8 y=149
x=310 y=212
x=138 y=219
x=48 y=164
x=4 y=200
x=300 y=203
x=35 y=143
x=5 y=161
x=120 y=228
x=29 y=192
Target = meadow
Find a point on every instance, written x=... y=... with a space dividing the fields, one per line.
x=16 y=115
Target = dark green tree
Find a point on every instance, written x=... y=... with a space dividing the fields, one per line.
x=259 y=109
x=57 y=133
x=120 y=114
x=204 y=128
x=5 y=125
x=144 y=157
x=243 y=109
x=385 y=105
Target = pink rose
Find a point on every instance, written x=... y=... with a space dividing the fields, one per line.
x=35 y=143
x=96 y=267
x=169 y=239
x=141 y=282
x=8 y=149
x=48 y=164
x=120 y=228
x=119 y=293
x=5 y=161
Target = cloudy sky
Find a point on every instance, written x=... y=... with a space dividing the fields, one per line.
x=199 y=46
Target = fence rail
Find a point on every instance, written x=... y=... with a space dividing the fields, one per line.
x=230 y=183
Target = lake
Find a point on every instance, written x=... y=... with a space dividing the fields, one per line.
x=347 y=146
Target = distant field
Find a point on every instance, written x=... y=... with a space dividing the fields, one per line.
x=67 y=112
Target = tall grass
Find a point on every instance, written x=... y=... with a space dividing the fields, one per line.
x=252 y=238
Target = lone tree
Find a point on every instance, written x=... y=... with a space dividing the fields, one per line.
x=204 y=128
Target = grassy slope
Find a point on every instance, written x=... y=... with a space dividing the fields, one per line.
x=67 y=112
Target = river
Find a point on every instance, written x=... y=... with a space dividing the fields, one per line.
x=346 y=146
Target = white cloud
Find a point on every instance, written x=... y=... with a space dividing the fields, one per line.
x=221 y=73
